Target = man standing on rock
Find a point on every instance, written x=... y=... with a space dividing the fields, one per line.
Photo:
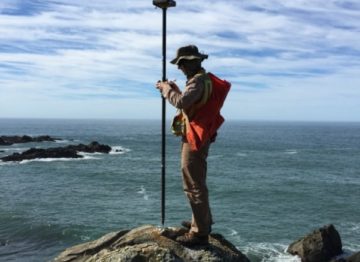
x=197 y=122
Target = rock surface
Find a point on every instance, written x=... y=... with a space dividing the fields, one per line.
x=353 y=258
x=320 y=245
x=70 y=151
x=9 y=140
x=149 y=243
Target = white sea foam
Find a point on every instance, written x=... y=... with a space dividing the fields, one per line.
x=355 y=227
x=44 y=160
x=7 y=163
x=90 y=155
x=269 y=252
x=291 y=152
x=62 y=141
x=142 y=191
x=233 y=232
x=352 y=229
x=282 y=258
x=234 y=235
x=85 y=157
x=14 y=149
x=85 y=238
x=214 y=156
x=241 y=154
x=118 y=150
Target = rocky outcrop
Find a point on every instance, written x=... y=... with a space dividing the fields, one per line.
x=353 y=258
x=149 y=243
x=322 y=245
x=9 y=140
x=70 y=151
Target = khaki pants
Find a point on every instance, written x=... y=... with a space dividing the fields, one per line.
x=194 y=167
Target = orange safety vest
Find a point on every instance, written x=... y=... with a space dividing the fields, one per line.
x=206 y=119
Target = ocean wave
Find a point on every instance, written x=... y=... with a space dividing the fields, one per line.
x=268 y=252
x=89 y=155
x=8 y=163
x=234 y=235
x=21 y=238
x=215 y=156
x=142 y=191
x=234 y=232
x=291 y=152
x=354 y=227
x=85 y=157
x=350 y=230
x=63 y=141
x=241 y=154
x=118 y=150
x=7 y=149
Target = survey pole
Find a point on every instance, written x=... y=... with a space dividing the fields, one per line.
x=164 y=5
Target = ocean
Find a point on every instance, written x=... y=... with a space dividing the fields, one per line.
x=270 y=183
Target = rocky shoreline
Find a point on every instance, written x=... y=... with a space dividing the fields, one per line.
x=150 y=243
x=10 y=140
x=70 y=151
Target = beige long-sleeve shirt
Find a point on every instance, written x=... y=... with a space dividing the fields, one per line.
x=192 y=93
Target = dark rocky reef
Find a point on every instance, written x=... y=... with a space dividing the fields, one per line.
x=149 y=243
x=322 y=245
x=70 y=151
x=9 y=140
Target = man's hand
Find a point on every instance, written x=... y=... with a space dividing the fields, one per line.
x=167 y=85
x=162 y=84
x=174 y=87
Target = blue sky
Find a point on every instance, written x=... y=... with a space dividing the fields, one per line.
x=286 y=60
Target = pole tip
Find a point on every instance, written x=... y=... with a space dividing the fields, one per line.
x=164 y=3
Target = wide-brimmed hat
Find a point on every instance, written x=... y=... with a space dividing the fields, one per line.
x=188 y=52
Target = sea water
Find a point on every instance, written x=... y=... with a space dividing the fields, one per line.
x=270 y=183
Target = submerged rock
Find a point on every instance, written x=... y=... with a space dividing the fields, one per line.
x=320 y=245
x=149 y=243
x=9 y=140
x=70 y=151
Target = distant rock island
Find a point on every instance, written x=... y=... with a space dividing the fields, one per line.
x=71 y=151
x=9 y=140
x=150 y=243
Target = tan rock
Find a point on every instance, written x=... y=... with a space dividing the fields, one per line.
x=153 y=244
